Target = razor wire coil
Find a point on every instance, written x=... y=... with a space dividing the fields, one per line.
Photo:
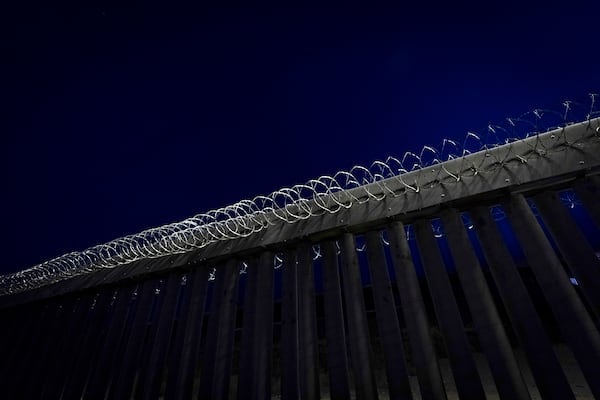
x=326 y=194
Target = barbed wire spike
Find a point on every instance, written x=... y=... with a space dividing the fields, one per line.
x=326 y=194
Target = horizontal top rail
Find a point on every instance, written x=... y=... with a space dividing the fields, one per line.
x=526 y=165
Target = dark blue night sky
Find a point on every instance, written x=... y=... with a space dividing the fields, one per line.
x=116 y=118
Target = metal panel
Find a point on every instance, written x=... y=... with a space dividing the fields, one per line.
x=358 y=331
x=100 y=375
x=210 y=343
x=588 y=191
x=413 y=308
x=41 y=340
x=248 y=351
x=307 y=326
x=17 y=334
x=575 y=323
x=487 y=322
x=72 y=330
x=185 y=356
x=127 y=364
x=224 y=344
x=545 y=367
x=89 y=363
x=257 y=339
x=573 y=245
x=337 y=358
x=85 y=351
x=74 y=346
x=151 y=374
x=464 y=370
x=264 y=328
x=387 y=320
x=290 y=382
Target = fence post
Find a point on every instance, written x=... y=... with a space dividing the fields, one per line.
x=186 y=352
x=71 y=332
x=588 y=191
x=230 y=274
x=290 y=384
x=545 y=367
x=100 y=374
x=415 y=315
x=307 y=325
x=488 y=325
x=123 y=379
x=255 y=357
x=86 y=352
x=358 y=331
x=573 y=245
x=464 y=370
x=49 y=324
x=387 y=320
x=158 y=345
x=574 y=321
x=337 y=358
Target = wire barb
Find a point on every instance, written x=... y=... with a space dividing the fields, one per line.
x=326 y=194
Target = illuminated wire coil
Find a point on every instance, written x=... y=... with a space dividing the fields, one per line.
x=326 y=194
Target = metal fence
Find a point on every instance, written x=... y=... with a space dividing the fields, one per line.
x=343 y=304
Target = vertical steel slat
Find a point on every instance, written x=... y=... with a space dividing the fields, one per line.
x=356 y=315
x=124 y=378
x=545 y=367
x=186 y=355
x=588 y=191
x=88 y=365
x=415 y=315
x=248 y=352
x=38 y=345
x=307 y=325
x=337 y=357
x=488 y=325
x=464 y=370
x=158 y=346
x=7 y=318
x=42 y=345
x=573 y=245
x=574 y=321
x=15 y=377
x=72 y=330
x=224 y=344
x=16 y=332
x=176 y=342
x=102 y=370
x=594 y=182
x=255 y=360
x=387 y=320
x=78 y=369
x=9 y=339
x=210 y=343
x=264 y=327
x=290 y=384
x=149 y=337
x=76 y=345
